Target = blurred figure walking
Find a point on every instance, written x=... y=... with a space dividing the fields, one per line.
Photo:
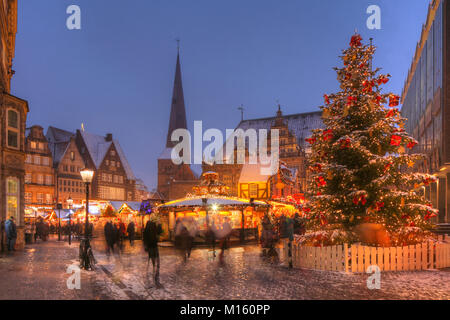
x=152 y=232
x=110 y=237
x=131 y=232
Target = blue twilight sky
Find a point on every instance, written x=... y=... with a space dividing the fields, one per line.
x=116 y=73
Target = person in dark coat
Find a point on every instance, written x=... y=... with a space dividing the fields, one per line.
x=131 y=232
x=110 y=237
x=11 y=234
x=152 y=232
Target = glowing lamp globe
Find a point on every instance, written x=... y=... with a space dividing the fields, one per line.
x=87 y=175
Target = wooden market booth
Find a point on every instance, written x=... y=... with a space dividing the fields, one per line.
x=210 y=203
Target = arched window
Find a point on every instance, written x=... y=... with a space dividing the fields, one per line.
x=13 y=198
x=13 y=131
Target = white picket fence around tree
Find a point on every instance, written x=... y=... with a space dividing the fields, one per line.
x=357 y=258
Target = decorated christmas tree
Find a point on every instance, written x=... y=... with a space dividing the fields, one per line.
x=361 y=170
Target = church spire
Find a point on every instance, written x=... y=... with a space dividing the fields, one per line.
x=177 y=111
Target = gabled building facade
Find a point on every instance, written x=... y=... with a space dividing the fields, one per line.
x=39 y=172
x=67 y=164
x=113 y=178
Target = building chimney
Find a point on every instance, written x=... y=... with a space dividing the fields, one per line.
x=108 y=137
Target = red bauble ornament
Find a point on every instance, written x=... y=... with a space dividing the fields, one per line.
x=356 y=41
x=396 y=140
x=326 y=98
x=311 y=140
x=411 y=144
x=345 y=143
x=394 y=100
x=328 y=135
x=382 y=80
x=351 y=100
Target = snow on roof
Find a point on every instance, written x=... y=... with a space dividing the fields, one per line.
x=301 y=125
x=221 y=201
x=97 y=147
x=123 y=159
x=58 y=135
x=252 y=173
x=58 y=150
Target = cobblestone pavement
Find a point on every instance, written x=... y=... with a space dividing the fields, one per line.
x=39 y=272
x=244 y=275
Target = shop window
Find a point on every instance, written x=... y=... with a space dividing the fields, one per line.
x=12 y=198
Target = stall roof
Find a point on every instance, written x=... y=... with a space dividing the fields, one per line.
x=224 y=201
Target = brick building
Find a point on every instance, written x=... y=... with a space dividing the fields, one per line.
x=175 y=181
x=13 y=115
x=39 y=173
x=426 y=105
x=67 y=163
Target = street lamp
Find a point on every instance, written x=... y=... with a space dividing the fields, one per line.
x=70 y=203
x=87 y=176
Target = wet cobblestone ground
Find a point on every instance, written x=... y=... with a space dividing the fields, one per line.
x=39 y=272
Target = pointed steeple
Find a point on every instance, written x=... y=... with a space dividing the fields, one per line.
x=177 y=111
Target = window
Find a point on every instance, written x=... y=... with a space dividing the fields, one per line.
x=72 y=168
x=116 y=179
x=28 y=177
x=37 y=160
x=113 y=153
x=29 y=159
x=45 y=161
x=13 y=129
x=72 y=155
x=33 y=145
x=40 y=146
x=48 y=198
x=107 y=162
x=113 y=163
x=28 y=197
x=120 y=179
x=12 y=198
x=118 y=164
x=65 y=168
x=40 y=198
x=40 y=179
x=48 y=180
x=110 y=193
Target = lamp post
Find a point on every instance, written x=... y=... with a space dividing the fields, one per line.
x=70 y=203
x=59 y=207
x=87 y=176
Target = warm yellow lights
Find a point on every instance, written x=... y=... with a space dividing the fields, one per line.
x=443 y=169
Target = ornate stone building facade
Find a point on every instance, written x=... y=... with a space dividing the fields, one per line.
x=246 y=180
x=13 y=115
x=175 y=181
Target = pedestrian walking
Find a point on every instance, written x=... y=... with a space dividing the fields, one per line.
x=152 y=232
x=110 y=237
x=213 y=236
x=11 y=234
x=225 y=235
x=121 y=234
x=131 y=232
x=183 y=235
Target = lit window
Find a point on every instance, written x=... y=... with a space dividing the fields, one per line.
x=72 y=155
x=48 y=179
x=48 y=198
x=12 y=195
x=37 y=160
x=33 y=145
x=45 y=161
x=40 y=179
x=40 y=198
x=28 y=177
x=28 y=197
x=29 y=159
